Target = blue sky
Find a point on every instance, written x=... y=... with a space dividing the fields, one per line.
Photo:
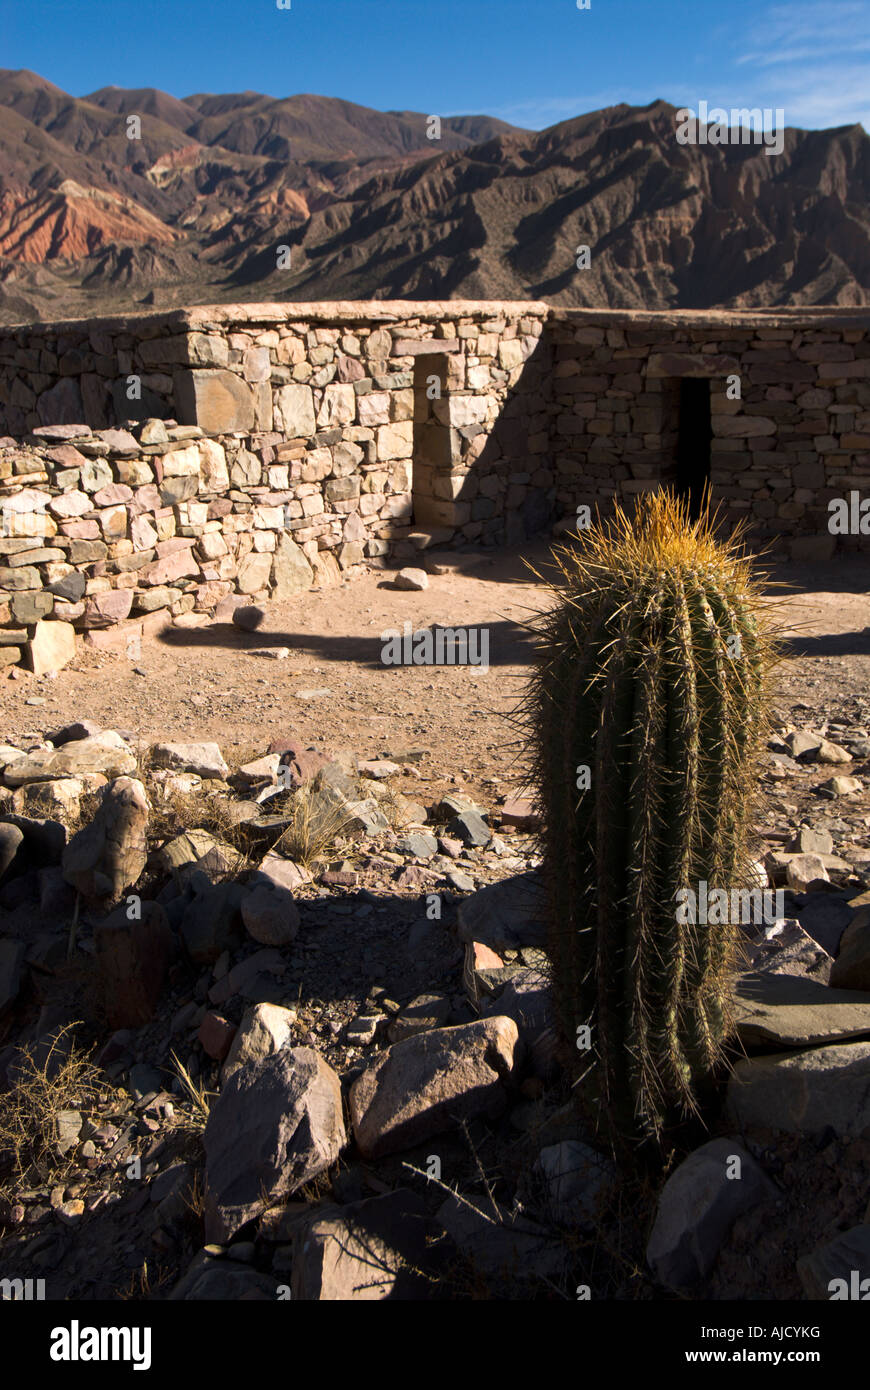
x=532 y=62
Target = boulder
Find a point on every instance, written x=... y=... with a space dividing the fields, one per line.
x=275 y=1125
x=133 y=957
x=11 y=840
x=697 y=1207
x=11 y=972
x=366 y=1251
x=505 y=915
x=794 y=1011
x=839 y=1269
x=804 y=1092
x=424 y=1085
x=264 y=1030
x=107 y=856
x=851 y=969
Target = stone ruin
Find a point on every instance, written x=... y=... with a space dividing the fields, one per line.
x=165 y=467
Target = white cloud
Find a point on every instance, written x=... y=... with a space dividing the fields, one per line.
x=803 y=58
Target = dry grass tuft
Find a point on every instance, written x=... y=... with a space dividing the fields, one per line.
x=200 y=1099
x=315 y=827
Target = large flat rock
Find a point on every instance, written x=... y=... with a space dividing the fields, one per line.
x=804 y=1092
x=795 y=1011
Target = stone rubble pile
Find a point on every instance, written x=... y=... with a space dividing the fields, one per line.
x=196 y=937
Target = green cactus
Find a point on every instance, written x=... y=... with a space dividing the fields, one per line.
x=652 y=673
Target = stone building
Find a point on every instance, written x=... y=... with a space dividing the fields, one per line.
x=303 y=439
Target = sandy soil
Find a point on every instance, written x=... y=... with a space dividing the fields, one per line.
x=210 y=683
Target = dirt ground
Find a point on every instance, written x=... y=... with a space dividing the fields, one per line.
x=209 y=683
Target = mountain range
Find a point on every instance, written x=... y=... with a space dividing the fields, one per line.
x=245 y=197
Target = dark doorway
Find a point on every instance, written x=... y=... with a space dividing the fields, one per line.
x=694 y=437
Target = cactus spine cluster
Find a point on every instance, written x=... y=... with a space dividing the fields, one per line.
x=652 y=674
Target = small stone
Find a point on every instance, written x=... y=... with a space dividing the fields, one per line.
x=249 y=617
x=205 y=759
x=71 y=1212
x=805 y=869
x=216 y=1035
x=840 y=786
x=412 y=579
x=363 y=1028
x=463 y=883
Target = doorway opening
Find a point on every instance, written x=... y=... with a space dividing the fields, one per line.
x=694 y=439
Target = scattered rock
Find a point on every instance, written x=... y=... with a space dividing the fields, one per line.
x=840 y=786
x=216 y=1035
x=105 y=752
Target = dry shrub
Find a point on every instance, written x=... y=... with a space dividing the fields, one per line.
x=65 y=1079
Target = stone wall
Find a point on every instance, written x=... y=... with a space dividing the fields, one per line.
x=798 y=436
x=171 y=464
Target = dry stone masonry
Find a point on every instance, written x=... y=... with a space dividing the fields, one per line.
x=167 y=467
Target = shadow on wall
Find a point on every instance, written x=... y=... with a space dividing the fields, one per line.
x=494 y=478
